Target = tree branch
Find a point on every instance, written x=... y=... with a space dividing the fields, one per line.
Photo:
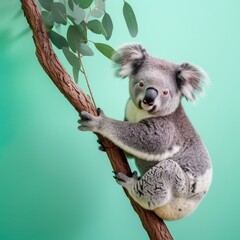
x=154 y=226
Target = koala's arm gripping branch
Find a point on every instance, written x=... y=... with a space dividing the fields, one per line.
x=154 y=226
x=136 y=138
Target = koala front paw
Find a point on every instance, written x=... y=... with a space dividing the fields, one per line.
x=89 y=122
x=126 y=181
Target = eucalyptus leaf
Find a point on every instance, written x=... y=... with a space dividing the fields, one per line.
x=85 y=3
x=85 y=50
x=82 y=28
x=107 y=25
x=59 y=13
x=73 y=37
x=97 y=12
x=100 y=4
x=47 y=20
x=105 y=49
x=46 y=4
x=70 y=4
x=71 y=57
x=75 y=74
x=130 y=19
x=96 y=27
x=83 y=31
x=58 y=40
x=78 y=14
x=72 y=19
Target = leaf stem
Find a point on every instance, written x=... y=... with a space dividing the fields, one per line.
x=86 y=78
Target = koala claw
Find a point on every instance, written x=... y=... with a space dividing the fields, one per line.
x=135 y=175
x=120 y=177
x=124 y=180
x=101 y=147
x=85 y=116
x=100 y=111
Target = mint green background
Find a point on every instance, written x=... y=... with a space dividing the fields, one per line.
x=56 y=185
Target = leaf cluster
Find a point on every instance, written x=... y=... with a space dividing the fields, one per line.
x=80 y=17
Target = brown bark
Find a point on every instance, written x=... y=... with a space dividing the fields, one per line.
x=154 y=226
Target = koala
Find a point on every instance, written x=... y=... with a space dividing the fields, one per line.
x=174 y=165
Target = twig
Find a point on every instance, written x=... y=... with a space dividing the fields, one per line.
x=86 y=78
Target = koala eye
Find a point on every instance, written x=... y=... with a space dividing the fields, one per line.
x=165 y=92
x=141 y=84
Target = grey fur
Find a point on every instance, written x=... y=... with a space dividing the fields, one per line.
x=174 y=164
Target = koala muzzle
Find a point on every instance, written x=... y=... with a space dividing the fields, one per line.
x=150 y=96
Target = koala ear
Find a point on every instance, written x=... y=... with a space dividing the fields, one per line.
x=129 y=59
x=190 y=80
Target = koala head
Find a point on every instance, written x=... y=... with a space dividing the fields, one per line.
x=157 y=85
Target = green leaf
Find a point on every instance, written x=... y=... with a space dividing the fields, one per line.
x=96 y=27
x=85 y=3
x=105 y=49
x=72 y=19
x=75 y=74
x=73 y=37
x=83 y=26
x=100 y=4
x=47 y=20
x=83 y=31
x=47 y=4
x=99 y=9
x=97 y=12
x=107 y=25
x=58 y=40
x=76 y=34
x=78 y=14
x=59 y=13
x=71 y=57
x=130 y=19
x=70 y=4
x=85 y=50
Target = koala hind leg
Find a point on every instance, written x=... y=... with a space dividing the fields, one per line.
x=158 y=186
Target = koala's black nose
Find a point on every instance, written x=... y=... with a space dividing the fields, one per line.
x=150 y=96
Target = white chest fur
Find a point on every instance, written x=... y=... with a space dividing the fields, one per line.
x=134 y=114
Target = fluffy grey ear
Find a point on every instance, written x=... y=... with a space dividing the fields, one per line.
x=190 y=80
x=129 y=59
